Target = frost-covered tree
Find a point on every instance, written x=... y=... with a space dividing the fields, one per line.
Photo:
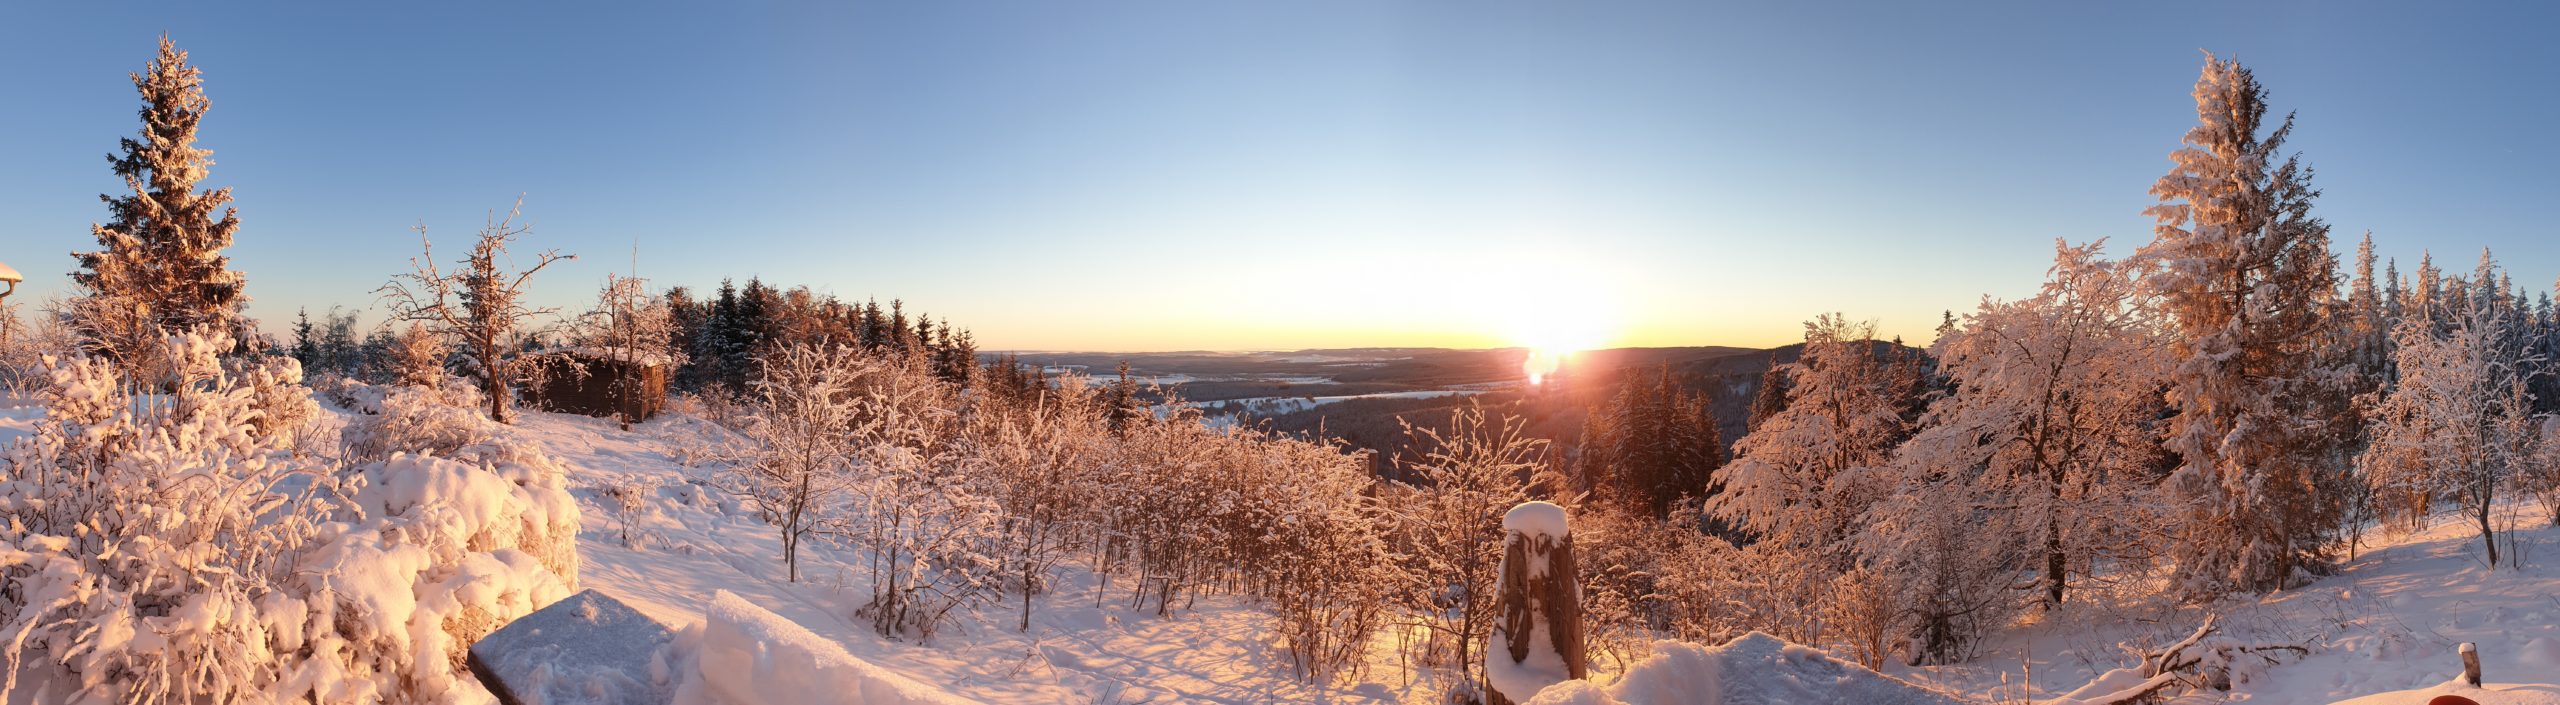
x=481 y=305
x=2245 y=277
x=1806 y=474
x=2051 y=417
x=799 y=464
x=1462 y=483
x=2458 y=421
x=159 y=267
x=936 y=541
x=1039 y=453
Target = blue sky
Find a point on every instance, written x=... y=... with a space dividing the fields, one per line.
x=1176 y=175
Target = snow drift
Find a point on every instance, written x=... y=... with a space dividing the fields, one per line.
x=750 y=655
x=1753 y=669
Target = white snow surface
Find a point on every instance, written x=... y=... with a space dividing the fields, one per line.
x=1753 y=669
x=2390 y=622
x=750 y=656
x=2489 y=694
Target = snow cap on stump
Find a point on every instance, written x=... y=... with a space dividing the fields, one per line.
x=1536 y=519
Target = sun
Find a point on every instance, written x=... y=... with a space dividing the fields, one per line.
x=1553 y=333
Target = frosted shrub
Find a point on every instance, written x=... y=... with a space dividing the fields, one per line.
x=139 y=600
x=1039 y=459
x=23 y=348
x=936 y=541
x=796 y=465
x=162 y=545
x=936 y=545
x=285 y=408
x=441 y=419
x=1331 y=587
x=1464 y=481
x=445 y=551
x=629 y=497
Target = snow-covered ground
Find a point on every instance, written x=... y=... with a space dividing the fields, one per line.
x=2385 y=628
x=691 y=543
x=2389 y=622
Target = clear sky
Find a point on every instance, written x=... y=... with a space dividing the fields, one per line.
x=1231 y=175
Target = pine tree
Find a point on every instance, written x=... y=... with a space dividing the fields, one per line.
x=875 y=328
x=306 y=346
x=2244 y=272
x=160 y=267
x=1653 y=446
x=1120 y=402
x=1771 y=397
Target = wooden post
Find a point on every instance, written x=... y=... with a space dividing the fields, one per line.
x=1537 y=637
x=2471 y=664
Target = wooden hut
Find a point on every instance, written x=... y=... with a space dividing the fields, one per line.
x=596 y=382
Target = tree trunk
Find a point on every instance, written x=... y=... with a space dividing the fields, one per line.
x=2488 y=537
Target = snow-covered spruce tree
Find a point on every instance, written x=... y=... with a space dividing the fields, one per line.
x=2457 y=422
x=160 y=265
x=159 y=268
x=2244 y=274
x=2050 y=421
x=1805 y=477
x=798 y=466
x=481 y=305
x=1461 y=484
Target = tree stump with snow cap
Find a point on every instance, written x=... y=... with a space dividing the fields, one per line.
x=1537 y=637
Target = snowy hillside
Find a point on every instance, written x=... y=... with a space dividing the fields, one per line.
x=691 y=542
x=2389 y=622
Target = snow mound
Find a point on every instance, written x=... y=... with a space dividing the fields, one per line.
x=2492 y=694
x=2542 y=653
x=750 y=656
x=1753 y=669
